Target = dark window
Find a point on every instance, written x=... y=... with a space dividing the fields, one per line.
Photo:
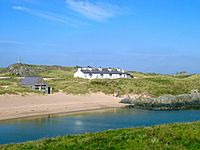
x=43 y=87
x=37 y=87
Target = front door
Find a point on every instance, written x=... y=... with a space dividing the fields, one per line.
x=49 y=90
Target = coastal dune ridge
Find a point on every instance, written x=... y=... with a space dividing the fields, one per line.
x=18 y=106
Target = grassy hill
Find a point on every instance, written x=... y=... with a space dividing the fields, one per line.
x=174 y=136
x=149 y=84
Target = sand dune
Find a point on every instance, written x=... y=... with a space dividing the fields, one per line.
x=32 y=105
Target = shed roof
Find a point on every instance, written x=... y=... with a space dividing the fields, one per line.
x=30 y=81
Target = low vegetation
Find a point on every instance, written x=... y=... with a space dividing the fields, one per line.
x=153 y=86
x=62 y=80
x=11 y=86
x=4 y=72
x=174 y=136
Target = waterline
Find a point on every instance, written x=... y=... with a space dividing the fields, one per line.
x=26 y=129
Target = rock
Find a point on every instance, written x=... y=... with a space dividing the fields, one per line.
x=126 y=100
x=22 y=70
x=167 y=102
x=116 y=94
x=25 y=70
x=130 y=100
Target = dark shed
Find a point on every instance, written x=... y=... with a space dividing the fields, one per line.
x=36 y=83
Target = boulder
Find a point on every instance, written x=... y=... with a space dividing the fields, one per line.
x=166 y=102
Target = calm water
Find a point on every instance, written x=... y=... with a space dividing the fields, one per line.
x=21 y=130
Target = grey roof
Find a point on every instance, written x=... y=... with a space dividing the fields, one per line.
x=30 y=81
x=103 y=72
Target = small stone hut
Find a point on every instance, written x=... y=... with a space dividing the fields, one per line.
x=36 y=83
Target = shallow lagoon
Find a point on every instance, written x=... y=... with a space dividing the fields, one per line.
x=26 y=129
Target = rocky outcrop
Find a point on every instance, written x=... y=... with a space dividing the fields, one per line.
x=166 y=102
x=25 y=70
x=22 y=70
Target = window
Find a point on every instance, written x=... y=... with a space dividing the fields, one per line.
x=43 y=87
x=37 y=87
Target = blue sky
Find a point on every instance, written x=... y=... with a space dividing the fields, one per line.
x=144 y=35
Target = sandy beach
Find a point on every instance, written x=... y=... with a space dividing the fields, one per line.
x=16 y=106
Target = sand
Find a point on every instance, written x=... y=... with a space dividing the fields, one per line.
x=16 y=106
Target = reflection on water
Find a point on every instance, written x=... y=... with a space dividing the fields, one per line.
x=20 y=130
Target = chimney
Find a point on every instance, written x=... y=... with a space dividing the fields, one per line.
x=118 y=69
x=100 y=69
x=89 y=68
x=109 y=69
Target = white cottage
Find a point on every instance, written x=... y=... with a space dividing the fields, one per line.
x=101 y=73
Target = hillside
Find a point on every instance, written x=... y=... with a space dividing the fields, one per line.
x=174 y=136
x=22 y=70
x=152 y=85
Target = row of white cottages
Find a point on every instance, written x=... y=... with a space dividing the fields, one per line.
x=38 y=83
x=101 y=73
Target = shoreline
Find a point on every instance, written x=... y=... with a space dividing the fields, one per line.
x=60 y=113
x=15 y=107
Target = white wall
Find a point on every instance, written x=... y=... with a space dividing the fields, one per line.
x=80 y=74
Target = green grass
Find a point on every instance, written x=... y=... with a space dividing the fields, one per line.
x=151 y=84
x=174 y=136
x=11 y=86
x=4 y=72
